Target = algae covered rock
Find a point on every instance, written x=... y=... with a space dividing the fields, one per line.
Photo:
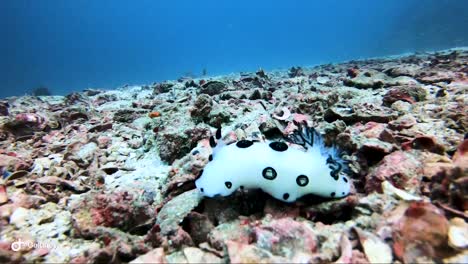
x=213 y=88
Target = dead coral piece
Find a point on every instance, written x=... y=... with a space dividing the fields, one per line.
x=198 y=226
x=4 y=108
x=405 y=175
x=279 y=236
x=403 y=122
x=329 y=212
x=237 y=230
x=196 y=255
x=173 y=212
x=421 y=233
x=460 y=158
x=352 y=72
x=162 y=87
x=424 y=143
x=435 y=77
x=285 y=114
x=376 y=250
x=448 y=182
x=56 y=181
x=410 y=94
x=213 y=88
x=201 y=108
x=245 y=253
x=295 y=72
x=375 y=80
x=360 y=112
x=3 y=194
x=389 y=189
x=119 y=210
x=154 y=256
x=346 y=250
x=13 y=162
x=458 y=234
x=175 y=144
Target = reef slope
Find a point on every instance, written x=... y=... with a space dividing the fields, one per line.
x=108 y=175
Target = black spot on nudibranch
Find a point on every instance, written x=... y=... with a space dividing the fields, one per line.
x=228 y=184
x=244 y=144
x=210 y=158
x=302 y=180
x=218 y=133
x=285 y=196
x=200 y=173
x=201 y=189
x=335 y=167
x=344 y=179
x=334 y=174
x=269 y=173
x=212 y=142
x=278 y=146
x=332 y=194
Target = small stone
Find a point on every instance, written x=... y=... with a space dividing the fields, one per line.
x=401 y=106
x=245 y=253
x=402 y=176
x=86 y=152
x=201 y=108
x=389 y=189
x=410 y=94
x=255 y=95
x=295 y=72
x=173 y=212
x=3 y=194
x=423 y=227
x=4 y=108
x=19 y=217
x=213 y=88
x=196 y=255
x=322 y=79
x=403 y=122
x=162 y=87
x=218 y=117
x=376 y=250
x=458 y=233
x=154 y=256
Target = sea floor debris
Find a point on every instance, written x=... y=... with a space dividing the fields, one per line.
x=108 y=175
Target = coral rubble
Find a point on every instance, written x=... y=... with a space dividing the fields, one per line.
x=108 y=176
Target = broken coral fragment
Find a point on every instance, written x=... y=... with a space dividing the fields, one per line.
x=173 y=212
x=389 y=189
x=376 y=250
x=422 y=232
x=458 y=233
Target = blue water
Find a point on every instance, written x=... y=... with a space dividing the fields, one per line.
x=71 y=45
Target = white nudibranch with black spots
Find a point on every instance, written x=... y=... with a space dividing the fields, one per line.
x=284 y=172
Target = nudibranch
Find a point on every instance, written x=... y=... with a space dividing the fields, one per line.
x=281 y=170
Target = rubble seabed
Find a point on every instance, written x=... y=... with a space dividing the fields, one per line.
x=108 y=175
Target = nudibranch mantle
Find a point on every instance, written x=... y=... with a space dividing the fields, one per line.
x=283 y=171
